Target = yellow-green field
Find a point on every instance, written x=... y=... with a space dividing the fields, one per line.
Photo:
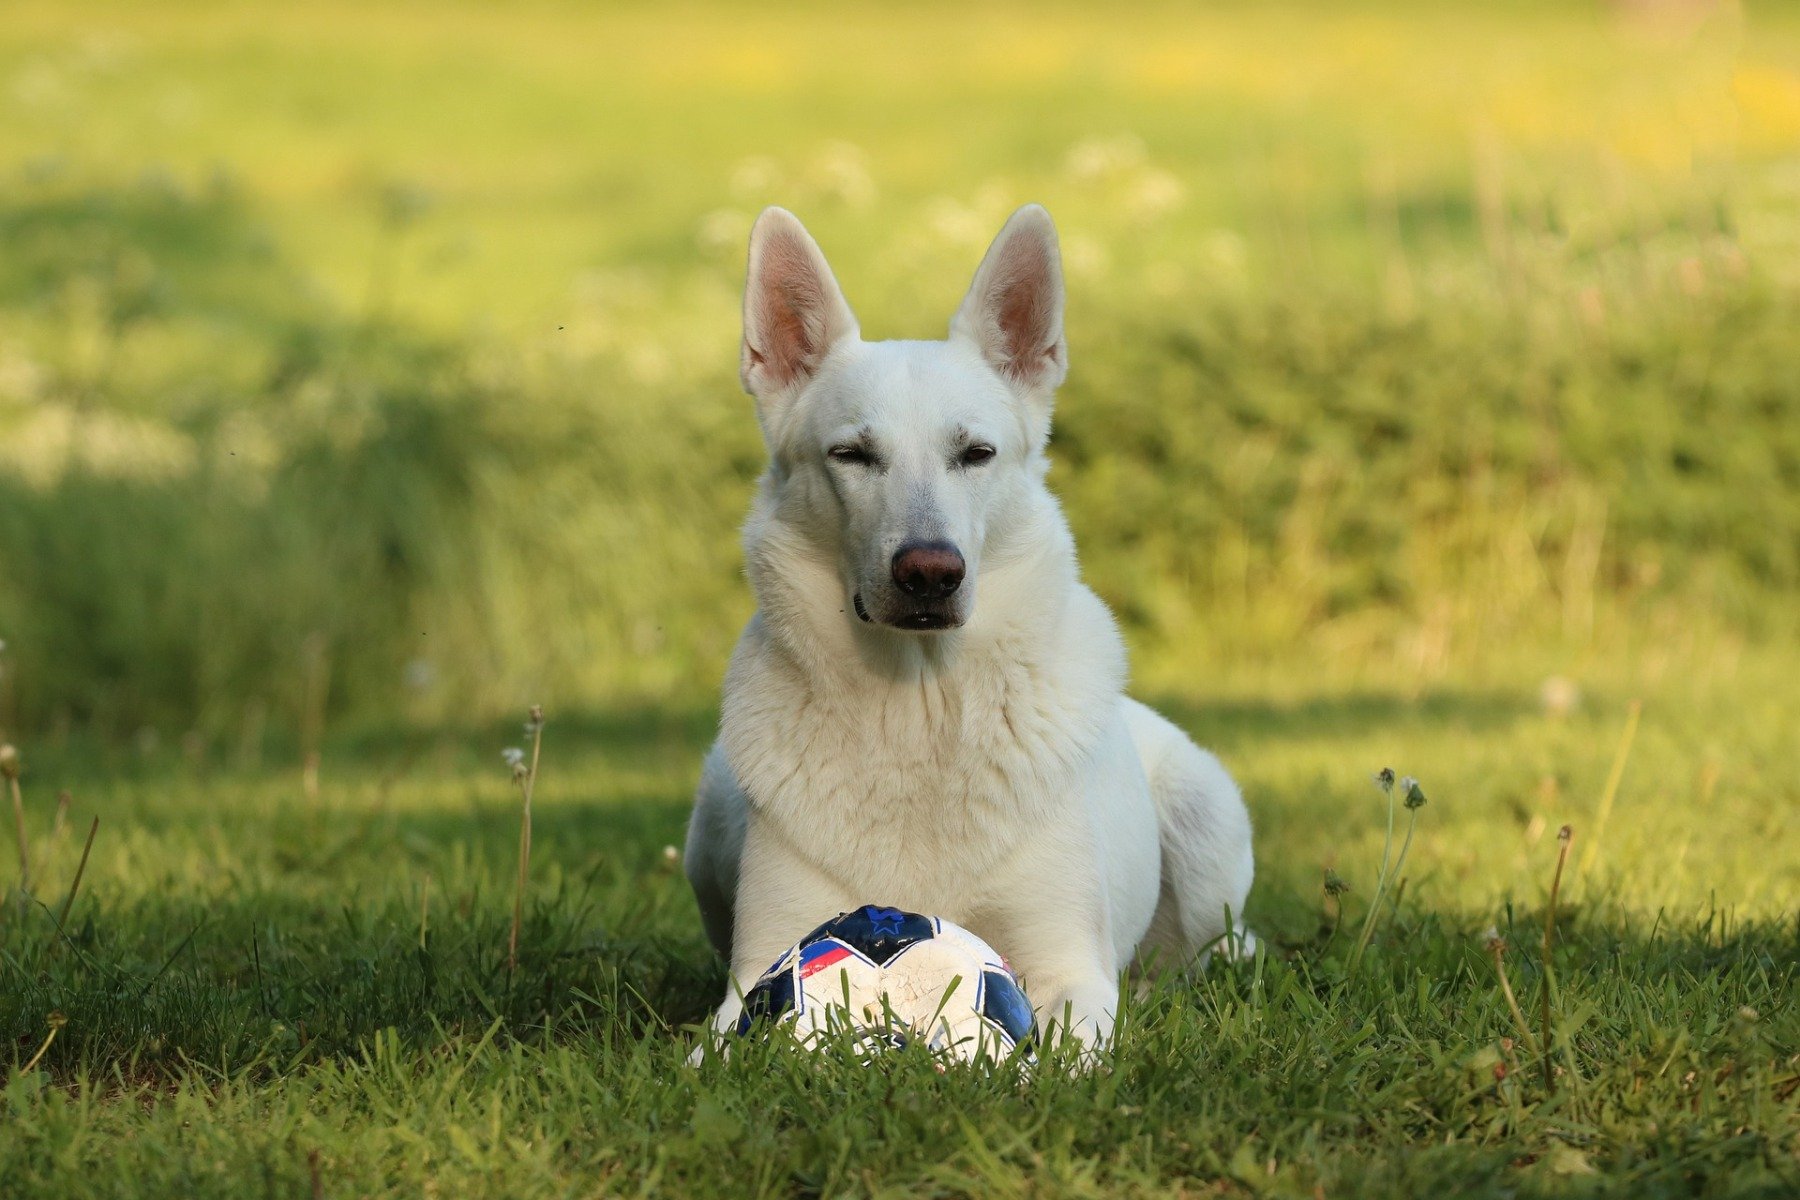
x=368 y=373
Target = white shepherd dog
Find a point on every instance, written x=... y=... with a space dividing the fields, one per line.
x=927 y=710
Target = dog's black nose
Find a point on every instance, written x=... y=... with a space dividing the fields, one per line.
x=928 y=570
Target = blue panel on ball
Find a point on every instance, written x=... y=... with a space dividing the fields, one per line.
x=1003 y=1002
x=772 y=998
x=874 y=932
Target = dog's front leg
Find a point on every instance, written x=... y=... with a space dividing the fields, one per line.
x=781 y=895
x=1074 y=997
x=1058 y=940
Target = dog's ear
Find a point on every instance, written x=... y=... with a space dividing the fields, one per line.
x=794 y=312
x=1014 y=310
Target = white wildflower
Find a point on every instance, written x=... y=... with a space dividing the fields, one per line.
x=420 y=675
x=1155 y=193
x=840 y=171
x=1560 y=695
x=1100 y=157
x=757 y=177
x=723 y=229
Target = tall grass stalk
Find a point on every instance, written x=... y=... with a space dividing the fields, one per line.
x=1334 y=888
x=1496 y=947
x=1611 y=792
x=80 y=869
x=63 y=799
x=1384 y=779
x=56 y=1022
x=9 y=768
x=1407 y=792
x=1564 y=837
x=526 y=778
x=316 y=653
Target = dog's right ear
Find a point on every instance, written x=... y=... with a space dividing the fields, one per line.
x=794 y=312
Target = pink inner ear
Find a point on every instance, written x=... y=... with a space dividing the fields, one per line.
x=1023 y=305
x=790 y=322
x=1021 y=317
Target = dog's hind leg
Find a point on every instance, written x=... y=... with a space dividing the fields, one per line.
x=715 y=845
x=1206 y=857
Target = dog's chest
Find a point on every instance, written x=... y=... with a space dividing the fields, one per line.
x=908 y=786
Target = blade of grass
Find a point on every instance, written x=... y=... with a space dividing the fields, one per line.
x=9 y=767
x=80 y=869
x=170 y=961
x=526 y=784
x=1611 y=792
x=1564 y=836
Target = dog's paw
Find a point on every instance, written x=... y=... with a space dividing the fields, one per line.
x=710 y=1044
x=1238 y=945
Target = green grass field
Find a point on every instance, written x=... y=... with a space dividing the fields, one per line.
x=367 y=374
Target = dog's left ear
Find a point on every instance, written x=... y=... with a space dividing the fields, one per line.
x=1014 y=310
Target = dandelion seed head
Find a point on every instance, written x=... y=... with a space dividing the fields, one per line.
x=513 y=756
x=723 y=229
x=420 y=675
x=1559 y=696
x=1384 y=779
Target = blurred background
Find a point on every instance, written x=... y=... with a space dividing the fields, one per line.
x=377 y=361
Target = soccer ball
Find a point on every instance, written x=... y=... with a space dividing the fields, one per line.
x=892 y=978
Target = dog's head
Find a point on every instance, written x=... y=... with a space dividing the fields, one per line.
x=898 y=460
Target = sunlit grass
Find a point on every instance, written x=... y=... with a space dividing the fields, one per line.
x=558 y=139
x=245 y=982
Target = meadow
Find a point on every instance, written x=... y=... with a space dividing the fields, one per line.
x=368 y=374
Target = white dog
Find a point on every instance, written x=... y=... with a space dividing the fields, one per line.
x=927 y=710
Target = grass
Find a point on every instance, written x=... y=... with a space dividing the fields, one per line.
x=367 y=375
x=251 y=996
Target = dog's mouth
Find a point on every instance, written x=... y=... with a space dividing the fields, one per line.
x=925 y=620
x=921 y=620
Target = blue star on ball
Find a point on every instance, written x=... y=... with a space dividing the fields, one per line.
x=885 y=920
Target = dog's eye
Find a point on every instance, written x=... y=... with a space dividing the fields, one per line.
x=977 y=454
x=853 y=455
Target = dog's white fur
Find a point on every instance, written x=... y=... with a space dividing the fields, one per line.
x=992 y=772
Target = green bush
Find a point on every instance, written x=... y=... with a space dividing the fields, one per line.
x=218 y=494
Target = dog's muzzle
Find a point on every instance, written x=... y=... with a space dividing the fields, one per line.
x=924 y=620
